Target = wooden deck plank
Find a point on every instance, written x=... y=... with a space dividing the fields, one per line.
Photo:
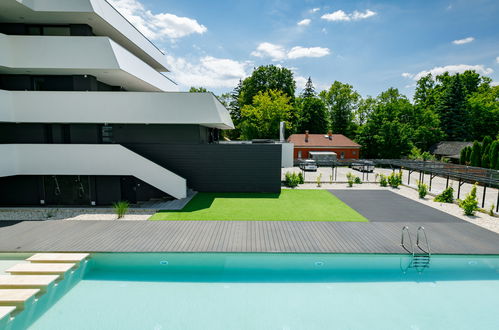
x=244 y=236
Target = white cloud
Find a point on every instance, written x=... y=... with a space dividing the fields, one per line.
x=298 y=52
x=279 y=53
x=304 y=22
x=463 y=41
x=340 y=15
x=300 y=82
x=209 y=72
x=497 y=59
x=266 y=49
x=157 y=25
x=452 y=69
x=494 y=83
x=314 y=10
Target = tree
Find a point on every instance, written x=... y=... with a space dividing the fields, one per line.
x=309 y=90
x=234 y=108
x=476 y=154
x=462 y=156
x=483 y=109
x=452 y=111
x=198 y=90
x=265 y=78
x=313 y=116
x=494 y=155
x=261 y=119
x=364 y=110
x=342 y=102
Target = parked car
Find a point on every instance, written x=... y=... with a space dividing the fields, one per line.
x=363 y=167
x=308 y=165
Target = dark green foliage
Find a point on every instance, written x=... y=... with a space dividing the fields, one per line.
x=447 y=196
x=265 y=78
x=451 y=109
x=476 y=154
x=198 y=90
x=291 y=179
x=309 y=90
x=469 y=204
x=342 y=102
x=301 y=179
x=485 y=161
x=462 y=156
x=357 y=180
x=313 y=116
x=234 y=108
x=494 y=155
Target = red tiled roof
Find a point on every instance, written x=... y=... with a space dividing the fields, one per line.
x=321 y=140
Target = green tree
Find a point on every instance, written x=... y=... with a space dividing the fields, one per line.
x=476 y=154
x=494 y=155
x=342 y=102
x=462 y=156
x=313 y=116
x=364 y=110
x=198 y=90
x=265 y=78
x=309 y=90
x=261 y=119
x=452 y=110
x=233 y=105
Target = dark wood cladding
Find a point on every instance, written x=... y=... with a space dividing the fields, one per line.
x=219 y=167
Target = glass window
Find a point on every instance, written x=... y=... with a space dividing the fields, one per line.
x=354 y=152
x=56 y=31
x=107 y=134
x=34 y=30
x=342 y=155
x=299 y=154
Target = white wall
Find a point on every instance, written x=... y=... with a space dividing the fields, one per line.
x=87 y=159
x=287 y=154
x=114 y=107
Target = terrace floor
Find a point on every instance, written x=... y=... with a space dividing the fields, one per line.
x=240 y=236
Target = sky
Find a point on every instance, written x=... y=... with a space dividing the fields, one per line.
x=372 y=45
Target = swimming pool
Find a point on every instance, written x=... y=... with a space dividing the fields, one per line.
x=277 y=291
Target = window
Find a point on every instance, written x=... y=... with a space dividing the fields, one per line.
x=299 y=154
x=56 y=31
x=342 y=155
x=354 y=152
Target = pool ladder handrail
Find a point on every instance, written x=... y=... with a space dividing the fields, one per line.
x=422 y=230
x=406 y=229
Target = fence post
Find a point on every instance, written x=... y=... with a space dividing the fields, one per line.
x=483 y=198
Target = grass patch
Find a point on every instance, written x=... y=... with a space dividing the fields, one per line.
x=289 y=205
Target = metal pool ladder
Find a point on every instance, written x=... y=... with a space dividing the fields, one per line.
x=419 y=261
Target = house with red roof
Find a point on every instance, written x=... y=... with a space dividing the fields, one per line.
x=337 y=143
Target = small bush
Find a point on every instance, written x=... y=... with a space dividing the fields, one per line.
x=469 y=204
x=491 y=210
x=319 y=177
x=357 y=180
x=301 y=179
x=422 y=189
x=121 y=208
x=395 y=180
x=350 y=179
x=447 y=196
x=383 y=181
x=292 y=179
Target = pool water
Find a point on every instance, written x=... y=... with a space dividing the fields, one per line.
x=278 y=291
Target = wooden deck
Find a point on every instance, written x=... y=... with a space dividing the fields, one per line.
x=239 y=236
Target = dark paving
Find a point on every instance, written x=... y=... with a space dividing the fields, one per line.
x=240 y=236
x=387 y=206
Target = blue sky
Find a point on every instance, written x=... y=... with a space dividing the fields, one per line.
x=372 y=45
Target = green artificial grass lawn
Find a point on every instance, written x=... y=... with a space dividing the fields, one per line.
x=289 y=205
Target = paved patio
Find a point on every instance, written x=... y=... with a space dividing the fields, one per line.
x=239 y=236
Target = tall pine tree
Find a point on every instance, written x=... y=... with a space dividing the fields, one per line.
x=452 y=111
x=309 y=90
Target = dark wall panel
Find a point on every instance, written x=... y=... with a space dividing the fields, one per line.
x=22 y=133
x=20 y=190
x=219 y=167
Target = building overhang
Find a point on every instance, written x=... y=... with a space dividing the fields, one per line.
x=104 y=19
x=114 y=107
x=97 y=56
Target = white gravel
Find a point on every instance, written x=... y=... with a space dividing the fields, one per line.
x=70 y=214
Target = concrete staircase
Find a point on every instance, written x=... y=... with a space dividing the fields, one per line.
x=171 y=205
x=28 y=281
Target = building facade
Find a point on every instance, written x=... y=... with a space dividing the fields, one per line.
x=89 y=117
x=337 y=143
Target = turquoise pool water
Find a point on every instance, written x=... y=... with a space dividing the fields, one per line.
x=278 y=291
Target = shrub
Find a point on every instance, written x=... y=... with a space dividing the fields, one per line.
x=447 y=196
x=121 y=208
x=357 y=180
x=350 y=179
x=319 y=177
x=469 y=204
x=491 y=210
x=395 y=180
x=301 y=179
x=382 y=181
x=292 y=179
x=422 y=189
